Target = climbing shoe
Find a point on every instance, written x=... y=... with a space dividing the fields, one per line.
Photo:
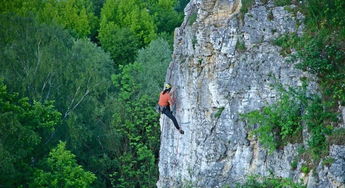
x=181 y=131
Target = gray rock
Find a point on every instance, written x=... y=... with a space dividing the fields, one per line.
x=210 y=74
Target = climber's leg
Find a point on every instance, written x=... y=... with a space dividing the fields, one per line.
x=167 y=112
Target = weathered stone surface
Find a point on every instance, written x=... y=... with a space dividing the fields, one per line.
x=215 y=83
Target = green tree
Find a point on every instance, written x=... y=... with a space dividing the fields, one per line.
x=61 y=170
x=121 y=43
x=86 y=94
x=75 y=15
x=165 y=15
x=181 y=4
x=49 y=64
x=98 y=4
x=24 y=128
x=137 y=122
x=154 y=59
x=131 y=14
x=20 y=7
x=135 y=119
x=44 y=63
x=117 y=17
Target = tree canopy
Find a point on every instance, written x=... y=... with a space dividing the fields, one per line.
x=76 y=104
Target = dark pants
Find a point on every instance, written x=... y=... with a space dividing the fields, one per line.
x=166 y=110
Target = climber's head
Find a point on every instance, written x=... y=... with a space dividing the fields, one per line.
x=167 y=88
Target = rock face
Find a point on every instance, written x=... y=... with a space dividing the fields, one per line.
x=224 y=64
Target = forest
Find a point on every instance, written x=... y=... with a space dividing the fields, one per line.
x=76 y=101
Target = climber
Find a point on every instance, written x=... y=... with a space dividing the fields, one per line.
x=165 y=102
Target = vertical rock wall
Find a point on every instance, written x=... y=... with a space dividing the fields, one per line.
x=223 y=65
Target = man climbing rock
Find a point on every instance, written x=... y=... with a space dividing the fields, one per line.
x=165 y=102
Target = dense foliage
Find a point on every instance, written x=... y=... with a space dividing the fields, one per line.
x=75 y=15
x=283 y=121
x=128 y=25
x=278 y=122
x=25 y=127
x=76 y=104
x=62 y=170
x=135 y=118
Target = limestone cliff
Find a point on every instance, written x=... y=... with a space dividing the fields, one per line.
x=223 y=65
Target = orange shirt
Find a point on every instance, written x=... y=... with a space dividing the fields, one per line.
x=164 y=99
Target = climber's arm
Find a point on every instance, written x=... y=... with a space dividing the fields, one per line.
x=171 y=98
x=171 y=102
